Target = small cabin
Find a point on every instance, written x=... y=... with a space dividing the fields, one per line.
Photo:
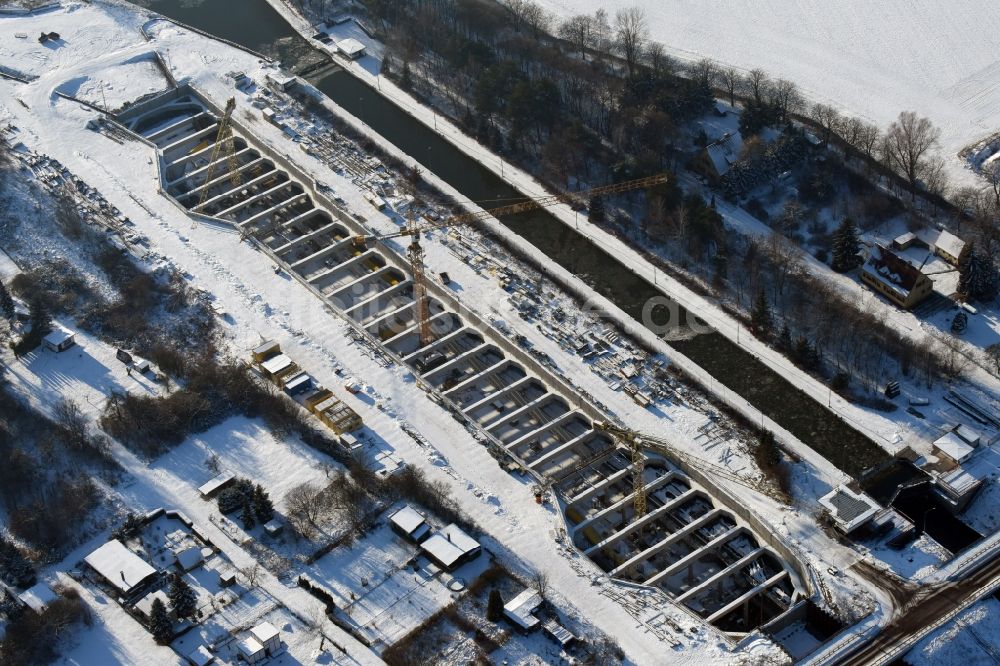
x=521 y=609
x=410 y=524
x=215 y=484
x=351 y=48
x=267 y=635
x=59 y=340
x=251 y=651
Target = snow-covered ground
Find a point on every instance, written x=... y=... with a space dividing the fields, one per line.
x=972 y=638
x=871 y=59
x=265 y=306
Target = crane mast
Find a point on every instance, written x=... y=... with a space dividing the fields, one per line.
x=415 y=255
x=638 y=443
x=223 y=142
x=415 y=252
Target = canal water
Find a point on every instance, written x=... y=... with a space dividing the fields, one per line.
x=257 y=26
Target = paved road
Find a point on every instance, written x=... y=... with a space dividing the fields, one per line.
x=928 y=610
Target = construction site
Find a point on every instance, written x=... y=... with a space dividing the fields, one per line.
x=642 y=511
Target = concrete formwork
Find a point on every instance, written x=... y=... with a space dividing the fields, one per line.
x=687 y=544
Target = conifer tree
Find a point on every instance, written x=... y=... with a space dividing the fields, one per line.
x=182 y=598
x=760 y=317
x=977 y=278
x=845 y=247
x=596 y=208
x=6 y=303
x=263 y=508
x=247 y=517
x=159 y=623
x=494 y=606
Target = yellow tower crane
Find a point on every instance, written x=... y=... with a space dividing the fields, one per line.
x=223 y=142
x=639 y=443
x=415 y=253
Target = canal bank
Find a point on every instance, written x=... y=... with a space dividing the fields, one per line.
x=801 y=414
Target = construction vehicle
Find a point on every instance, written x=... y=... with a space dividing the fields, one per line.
x=638 y=443
x=415 y=253
x=223 y=142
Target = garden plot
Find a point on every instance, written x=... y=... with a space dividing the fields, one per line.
x=383 y=588
x=461 y=633
x=247 y=448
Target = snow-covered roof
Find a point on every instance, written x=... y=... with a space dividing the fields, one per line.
x=904 y=239
x=145 y=605
x=215 y=483
x=519 y=609
x=960 y=480
x=970 y=436
x=189 y=558
x=849 y=509
x=942 y=240
x=270 y=345
x=891 y=270
x=276 y=364
x=350 y=47
x=250 y=647
x=458 y=537
x=559 y=632
x=38 y=597
x=264 y=632
x=202 y=656
x=442 y=550
x=407 y=519
x=120 y=566
x=298 y=381
x=954 y=447
x=58 y=337
x=724 y=152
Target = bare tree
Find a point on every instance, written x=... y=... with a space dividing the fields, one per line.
x=732 y=80
x=630 y=35
x=252 y=574
x=757 y=83
x=991 y=172
x=517 y=9
x=537 y=19
x=784 y=95
x=541 y=581
x=993 y=354
x=868 y=139
x=705 y=72
x=908 y=140
x=657 y=58
x=305 y=503
x=826 y=117
x=602 y=31
x=578 y=31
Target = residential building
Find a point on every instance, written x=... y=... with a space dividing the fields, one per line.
x=895 y=278
x=120 y=567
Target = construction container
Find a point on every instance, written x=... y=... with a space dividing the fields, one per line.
x=266 y=351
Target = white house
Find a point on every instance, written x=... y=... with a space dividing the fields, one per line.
x=267 y=635
x=251 y=651
x=60 y=339
x=351 y=48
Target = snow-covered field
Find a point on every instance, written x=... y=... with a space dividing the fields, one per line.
x=871 y=59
